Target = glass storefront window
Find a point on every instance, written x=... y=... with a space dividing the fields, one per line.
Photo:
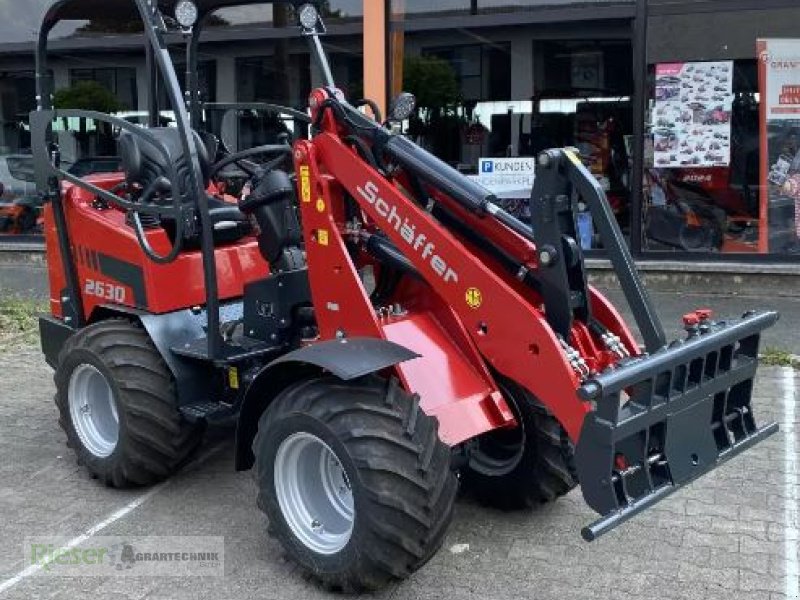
x=497 y=80
x=19 y=205
x=206 y=78
x=120 y=81
x=491 y=97
x=719 y=163
x=424 y=8
x=17 y=99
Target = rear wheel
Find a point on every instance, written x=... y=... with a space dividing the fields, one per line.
x=531 y=464
x=117 y=405
x=354 y=480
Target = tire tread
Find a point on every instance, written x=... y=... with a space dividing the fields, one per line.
x=155 y=440
x=403 y=469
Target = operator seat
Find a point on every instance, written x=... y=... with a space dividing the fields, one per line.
x=143 y=164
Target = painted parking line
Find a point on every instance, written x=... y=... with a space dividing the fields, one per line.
x=790 y=480
x=109 y=520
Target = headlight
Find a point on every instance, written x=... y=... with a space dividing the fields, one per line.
x=309 y=17
x=402 y=107
x=186 y=13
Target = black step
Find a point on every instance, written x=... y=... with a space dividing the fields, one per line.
x=209 y=411
x=236 y=350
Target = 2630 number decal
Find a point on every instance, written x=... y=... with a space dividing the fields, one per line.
x=105 y=291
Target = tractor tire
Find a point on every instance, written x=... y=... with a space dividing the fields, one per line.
x=117 y=404
x=354 y=480
x=523 y=467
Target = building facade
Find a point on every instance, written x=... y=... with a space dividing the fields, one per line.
x=687 y=112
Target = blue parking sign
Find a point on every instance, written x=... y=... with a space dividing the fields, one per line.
x=487 y=166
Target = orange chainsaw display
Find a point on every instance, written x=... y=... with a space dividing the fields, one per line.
x=374 y=321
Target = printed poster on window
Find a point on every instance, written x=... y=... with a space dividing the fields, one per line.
x=779 y=84
x=692 y=114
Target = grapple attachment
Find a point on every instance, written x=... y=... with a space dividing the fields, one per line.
x=663 y=420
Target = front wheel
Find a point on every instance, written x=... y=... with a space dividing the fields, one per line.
x=117 y=404
x=354 y=479
x=531 y=464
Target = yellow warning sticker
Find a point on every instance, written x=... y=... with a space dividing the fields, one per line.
x=305 y=183
x=474 y=297
x=233 y=378
x=320 y=205
x=322 y=237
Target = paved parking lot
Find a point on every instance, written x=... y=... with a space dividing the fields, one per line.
x=732 y=535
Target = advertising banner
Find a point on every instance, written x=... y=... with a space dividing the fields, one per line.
x=510 y=179
x=507 y=177
x=692 y=114
x=503 y=175
x=779 y=84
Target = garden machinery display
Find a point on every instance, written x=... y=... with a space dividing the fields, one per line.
x=377 y=326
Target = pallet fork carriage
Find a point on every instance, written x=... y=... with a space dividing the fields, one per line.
x=370 y=316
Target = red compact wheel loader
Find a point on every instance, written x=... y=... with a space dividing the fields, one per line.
x=377 y=325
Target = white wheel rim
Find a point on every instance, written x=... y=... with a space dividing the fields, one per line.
x=93 y=410
x=314 y=493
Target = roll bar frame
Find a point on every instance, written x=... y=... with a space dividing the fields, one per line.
x=187 y=110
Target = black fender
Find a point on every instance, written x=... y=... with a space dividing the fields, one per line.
x=346 y=359
x=167 y=331
x=54 y=332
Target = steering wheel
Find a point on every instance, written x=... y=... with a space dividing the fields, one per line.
x=249 y=167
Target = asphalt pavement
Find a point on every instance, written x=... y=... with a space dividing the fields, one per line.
x=671 y=306
x=23 y=280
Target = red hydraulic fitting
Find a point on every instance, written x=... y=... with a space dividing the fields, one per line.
x=620 y=462
x=704 y=314
x=691 y=319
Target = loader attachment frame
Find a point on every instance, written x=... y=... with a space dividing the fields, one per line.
x=659 y=420
x=560 y=177
x=688 y=410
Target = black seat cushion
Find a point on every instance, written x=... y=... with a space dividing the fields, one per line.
x=144 y=163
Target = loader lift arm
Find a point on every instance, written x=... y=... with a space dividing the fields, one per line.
x=687 y=408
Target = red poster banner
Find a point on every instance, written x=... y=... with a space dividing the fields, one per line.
x=779 y=86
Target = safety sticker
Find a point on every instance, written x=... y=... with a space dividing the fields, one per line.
x=322 y=237
x=305 y=183
x=474 y=297
x=233 y=378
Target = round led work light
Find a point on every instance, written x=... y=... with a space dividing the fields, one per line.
x=186 y=13
x=309 y=17
x=403 y=107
